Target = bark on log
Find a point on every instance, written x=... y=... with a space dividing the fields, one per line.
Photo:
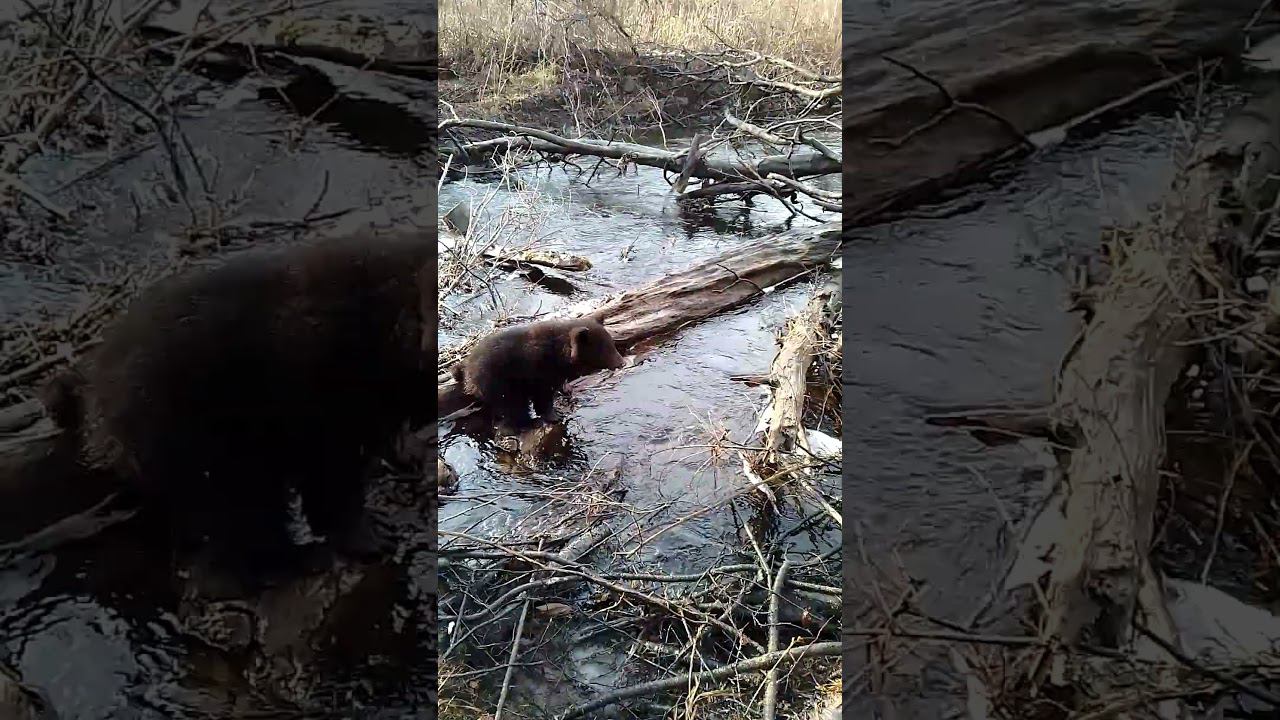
x=1050 y=69
x=781 y=429
x=699 y=292
x=1112 y=396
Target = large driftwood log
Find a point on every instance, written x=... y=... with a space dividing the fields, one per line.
x=910 y=134
x=1111 y=400
x=700 y=291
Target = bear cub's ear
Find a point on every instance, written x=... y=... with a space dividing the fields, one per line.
x=578 y=339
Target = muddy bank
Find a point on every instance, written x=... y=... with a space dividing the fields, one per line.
x=1012 y=73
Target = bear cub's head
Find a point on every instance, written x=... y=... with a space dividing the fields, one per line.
x=591 y=347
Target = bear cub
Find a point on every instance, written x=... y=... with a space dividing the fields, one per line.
x=218 y=392
x=516 y=366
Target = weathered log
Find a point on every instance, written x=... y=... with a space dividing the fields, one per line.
x=546 y=258
x=700 y=291
x=1111 y=399
x=716 y=285
x=785 y=452
x=781 y=428
x=411 y=57
x=903 y=142
x=793 y=165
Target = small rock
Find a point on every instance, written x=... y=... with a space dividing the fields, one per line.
x=1256 y=285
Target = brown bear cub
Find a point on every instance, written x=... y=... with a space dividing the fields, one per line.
x=218 y=392
x=513 y=367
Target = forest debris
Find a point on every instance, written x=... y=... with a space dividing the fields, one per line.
x=446 y=477
x=758 y=663
x=15 y=155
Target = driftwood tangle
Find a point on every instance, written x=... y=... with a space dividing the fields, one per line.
x=701 y=291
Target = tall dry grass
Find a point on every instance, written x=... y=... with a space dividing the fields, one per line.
x=501 y=35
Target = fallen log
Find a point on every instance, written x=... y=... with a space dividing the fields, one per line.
x=957 y=109
x=797 y=165
x=700 y=291
x=785 y=451
x=1111 y=400
x=404 y=53
x=781 y=427
x=20 y=416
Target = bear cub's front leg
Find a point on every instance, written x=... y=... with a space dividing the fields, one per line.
x=544 y=403
x=512 y=414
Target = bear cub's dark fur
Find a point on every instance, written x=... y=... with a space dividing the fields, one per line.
x=515 y=366
x=219 y=391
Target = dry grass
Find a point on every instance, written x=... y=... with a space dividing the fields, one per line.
x=497 y=37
